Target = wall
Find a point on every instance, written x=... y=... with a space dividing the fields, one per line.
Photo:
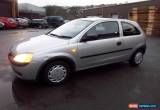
x=93 y=12
x=148 y=18
x=122 y=10
x=8 y=8
x=5 y=8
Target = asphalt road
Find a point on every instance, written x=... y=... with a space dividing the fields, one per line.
x=110 y=87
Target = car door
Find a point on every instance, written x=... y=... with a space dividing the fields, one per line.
x=103 y=47
x=131 y=37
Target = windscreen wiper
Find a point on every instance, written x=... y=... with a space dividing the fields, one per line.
x=54 y=35
x=67 y=37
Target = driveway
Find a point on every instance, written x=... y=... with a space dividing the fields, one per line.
x=110 y=87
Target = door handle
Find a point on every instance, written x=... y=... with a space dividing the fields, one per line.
x=119 y=43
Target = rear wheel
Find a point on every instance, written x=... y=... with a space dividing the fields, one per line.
x=137 y=58
x=56 y=72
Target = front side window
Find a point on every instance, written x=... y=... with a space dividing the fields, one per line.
x=105 y=30
x=129 y=29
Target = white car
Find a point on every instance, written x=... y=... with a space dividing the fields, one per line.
x=78 y=45
x=22 y=22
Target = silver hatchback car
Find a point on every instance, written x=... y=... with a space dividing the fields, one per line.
x=77 y=45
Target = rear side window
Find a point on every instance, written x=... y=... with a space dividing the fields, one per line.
x=129 y=29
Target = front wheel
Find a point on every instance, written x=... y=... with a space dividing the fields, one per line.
x=137 y=58
x=56 y=72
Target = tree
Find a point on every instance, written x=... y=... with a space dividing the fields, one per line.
x=55 y=11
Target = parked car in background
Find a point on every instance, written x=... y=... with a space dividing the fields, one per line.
x=29 y=21
x=54 y=21
x=65 y=21
x=1 y=25
x=9 y=23
x=78 y=45
x=39 y=23
x=22 y=22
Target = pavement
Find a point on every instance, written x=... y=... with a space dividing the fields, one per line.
x=110 y=87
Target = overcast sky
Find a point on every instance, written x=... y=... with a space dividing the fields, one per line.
x=74 y=2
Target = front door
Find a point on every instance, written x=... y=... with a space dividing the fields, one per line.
x=104 y=45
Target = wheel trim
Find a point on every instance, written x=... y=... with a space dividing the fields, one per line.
x=138 y=58
x=57 y=73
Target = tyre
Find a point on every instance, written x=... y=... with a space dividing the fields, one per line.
x=137 y=58
x=56 y=73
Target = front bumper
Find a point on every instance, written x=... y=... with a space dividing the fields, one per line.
x=27 y=71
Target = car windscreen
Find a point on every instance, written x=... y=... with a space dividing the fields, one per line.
x=37 y=21
x=71 y=29
x=54 y=19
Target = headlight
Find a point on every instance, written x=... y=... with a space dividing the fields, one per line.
x=23 y=58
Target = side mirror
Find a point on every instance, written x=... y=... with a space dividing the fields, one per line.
x=89 y=37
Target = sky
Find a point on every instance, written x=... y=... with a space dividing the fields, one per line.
x=74 y=2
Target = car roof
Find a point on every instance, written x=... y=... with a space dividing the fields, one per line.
x=94 y=19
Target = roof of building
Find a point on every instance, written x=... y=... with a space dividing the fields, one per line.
x=28 y=8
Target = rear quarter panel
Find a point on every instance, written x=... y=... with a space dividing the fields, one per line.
x=134 y=41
